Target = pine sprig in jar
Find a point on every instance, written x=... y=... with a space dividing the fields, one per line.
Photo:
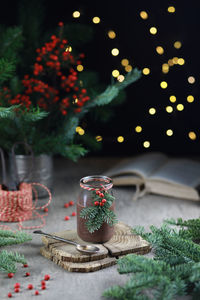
x=95 y=209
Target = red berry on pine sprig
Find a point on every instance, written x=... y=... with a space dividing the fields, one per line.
x=98 y=192
x=103 y=200
x=101 y=204
x=96 y=203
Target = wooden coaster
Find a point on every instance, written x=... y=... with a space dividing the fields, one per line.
x=83 y=267
x=66 y=255
x=124 y=242
x=67 y=252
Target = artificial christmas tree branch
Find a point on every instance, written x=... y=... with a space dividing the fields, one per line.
x=174 y=270
x=8 y=259
x=99 y=212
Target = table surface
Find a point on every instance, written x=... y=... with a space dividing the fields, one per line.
x=146 y=211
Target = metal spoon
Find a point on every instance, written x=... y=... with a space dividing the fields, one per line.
x=86 y=249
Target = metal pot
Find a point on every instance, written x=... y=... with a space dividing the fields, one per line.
x=41 y=171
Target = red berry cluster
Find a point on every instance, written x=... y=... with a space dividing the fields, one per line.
x=66 y=205
x=54 y=84
x=30 y=286
x=102 y=200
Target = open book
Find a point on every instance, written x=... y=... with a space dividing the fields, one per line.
x=157 y=173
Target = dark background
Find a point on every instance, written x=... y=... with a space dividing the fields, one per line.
x=136 y=44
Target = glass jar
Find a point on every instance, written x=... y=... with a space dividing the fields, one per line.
x=92 y=193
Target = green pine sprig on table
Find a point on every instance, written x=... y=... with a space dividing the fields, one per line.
x=96 y=214
x=174 y=270
x=9 y=259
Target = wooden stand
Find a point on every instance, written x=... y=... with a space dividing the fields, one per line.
x=66 y=255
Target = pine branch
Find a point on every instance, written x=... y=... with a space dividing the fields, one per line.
x=109 y=217
x=112 y=91
x=33 y=115
x=131 y=77
x=189 y=229
x=73 y=152
x=96 y=215
x=69 y=128
x=174 y=271
x=8 y=112
x=7 y=69
x=9 y=238
x=11 y=43
x=8 y=260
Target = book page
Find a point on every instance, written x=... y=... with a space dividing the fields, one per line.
x=182 y=171
x=172 y=190
x=142 y=165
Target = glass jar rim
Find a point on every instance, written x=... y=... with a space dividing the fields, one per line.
x=106 y=182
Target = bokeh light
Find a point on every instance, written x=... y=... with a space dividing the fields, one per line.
x=144 y=15
x=120 y=139
x=96 y=20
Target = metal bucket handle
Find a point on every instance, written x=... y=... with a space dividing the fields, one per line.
x=4 y=175
x=16 y=176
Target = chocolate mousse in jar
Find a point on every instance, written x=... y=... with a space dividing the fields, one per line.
x=96 y=209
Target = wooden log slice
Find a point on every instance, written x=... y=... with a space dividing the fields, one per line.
x=124 y=242
x=68 y=252
x=83 y=267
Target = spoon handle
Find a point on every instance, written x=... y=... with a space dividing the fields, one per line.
x=59 y=238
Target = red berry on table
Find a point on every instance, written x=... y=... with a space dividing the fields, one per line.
x=71 y=203
x=36 y=292
x=30 y=287
x=9 y=295
x=43 y=282
x=103 y=200
x=67 y=218
x=66 y=205
x=10 y=275
x=43 y=287
x=96 y=203
x=46 y=209
x=16 y=290
x=101 y=195
x=46 y=277
x=28 y=274
x=17 y=285
x=73 y=213
x=25 y=265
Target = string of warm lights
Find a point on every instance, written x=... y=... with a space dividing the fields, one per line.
x=163 y=84
x=165 y=69
x=115 y=73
